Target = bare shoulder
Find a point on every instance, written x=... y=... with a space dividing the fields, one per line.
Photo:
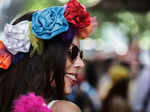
x=65 y=106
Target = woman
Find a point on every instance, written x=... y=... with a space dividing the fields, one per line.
x=40 y=53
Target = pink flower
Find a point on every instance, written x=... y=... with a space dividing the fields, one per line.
x=30 y=103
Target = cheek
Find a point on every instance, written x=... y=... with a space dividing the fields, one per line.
x=68 y=64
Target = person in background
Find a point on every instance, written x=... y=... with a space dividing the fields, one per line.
x=141 y=101
x=116 y=100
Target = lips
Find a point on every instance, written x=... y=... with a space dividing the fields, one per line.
x=72 y=78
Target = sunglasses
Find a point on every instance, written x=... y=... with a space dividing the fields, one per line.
x=73 y=53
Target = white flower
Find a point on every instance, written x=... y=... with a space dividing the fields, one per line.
x=16 y=37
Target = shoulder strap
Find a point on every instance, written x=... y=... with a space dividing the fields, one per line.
x=51 y=103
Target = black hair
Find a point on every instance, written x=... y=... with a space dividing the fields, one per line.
x=33 y=74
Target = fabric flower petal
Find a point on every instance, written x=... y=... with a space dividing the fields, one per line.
x=30 y=103
x=49 y=22
x=85 y=32
x=16 y=37
x=5 y=57
x=77 y=15
x=94 y=23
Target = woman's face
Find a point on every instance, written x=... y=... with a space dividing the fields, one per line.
x=73 y=67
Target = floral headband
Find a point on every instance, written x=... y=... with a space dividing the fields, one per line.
x=67 y=20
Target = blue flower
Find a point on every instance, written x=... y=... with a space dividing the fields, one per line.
x=49 y=22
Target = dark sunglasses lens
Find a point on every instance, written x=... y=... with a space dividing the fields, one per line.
x=81 y=55
x=75 y=51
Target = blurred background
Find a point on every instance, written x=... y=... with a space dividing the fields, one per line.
x=117 y=72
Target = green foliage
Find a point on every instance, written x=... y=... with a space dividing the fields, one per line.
x=39 y=4
x=133 y=23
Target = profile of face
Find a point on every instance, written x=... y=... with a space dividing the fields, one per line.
x=74 y=65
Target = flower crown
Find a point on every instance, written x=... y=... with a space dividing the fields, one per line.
x=46 y=24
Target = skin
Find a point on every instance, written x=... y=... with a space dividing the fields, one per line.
x=65 y=106
x=73 y=69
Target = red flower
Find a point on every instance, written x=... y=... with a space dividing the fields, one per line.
x=77 y=15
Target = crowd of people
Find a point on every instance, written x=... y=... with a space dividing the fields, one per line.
x=116 y=82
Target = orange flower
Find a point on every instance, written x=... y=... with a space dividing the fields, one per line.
x=5 y=57
x=85 y=32
x=1 y=45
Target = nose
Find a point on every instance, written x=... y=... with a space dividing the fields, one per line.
x=79 y=63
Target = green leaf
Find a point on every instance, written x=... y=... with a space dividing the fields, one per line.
x=37 y=44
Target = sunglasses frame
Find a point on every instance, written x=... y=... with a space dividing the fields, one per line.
x=76 y=49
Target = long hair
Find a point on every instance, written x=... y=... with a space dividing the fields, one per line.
x=34 y=74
